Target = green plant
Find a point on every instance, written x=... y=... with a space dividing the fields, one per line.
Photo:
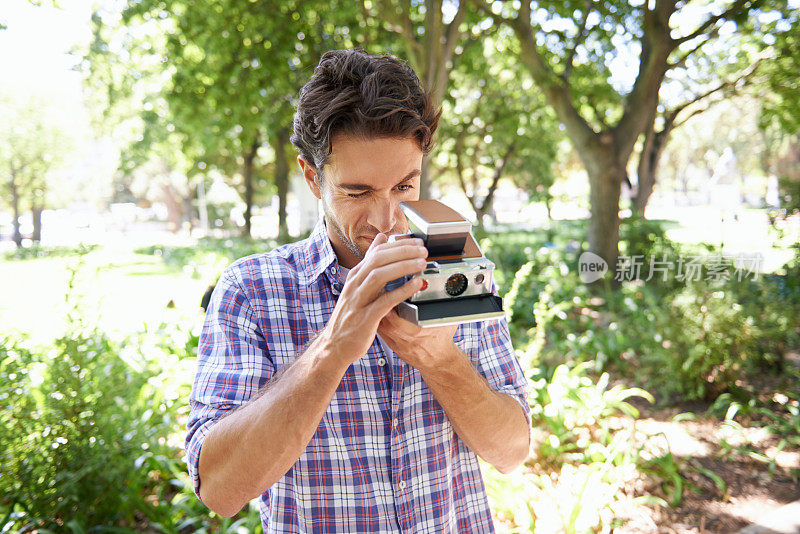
x=91 y=432
x=577 y=418
x=39 y=251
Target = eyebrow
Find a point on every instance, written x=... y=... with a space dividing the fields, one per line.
x=367 y=187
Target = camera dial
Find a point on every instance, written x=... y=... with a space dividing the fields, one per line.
x=456 y=285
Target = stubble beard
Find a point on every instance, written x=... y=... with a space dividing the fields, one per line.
x=331 y=220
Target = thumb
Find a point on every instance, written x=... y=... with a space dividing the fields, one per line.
x=379 y=240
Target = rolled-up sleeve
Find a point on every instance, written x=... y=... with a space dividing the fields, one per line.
x=233 y=363
x=498 y=363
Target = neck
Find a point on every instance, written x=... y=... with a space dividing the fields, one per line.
x=344 y=255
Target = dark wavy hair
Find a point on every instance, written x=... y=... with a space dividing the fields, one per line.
x=364 y=95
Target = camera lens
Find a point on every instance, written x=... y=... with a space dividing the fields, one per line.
x=455 y=285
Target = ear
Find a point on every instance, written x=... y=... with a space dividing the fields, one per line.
x=310 y=175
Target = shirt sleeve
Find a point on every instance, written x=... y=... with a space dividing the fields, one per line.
x=498 y=363
x=232 y=364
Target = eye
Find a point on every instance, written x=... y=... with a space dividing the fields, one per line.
x=405 y=187
x=357 y=195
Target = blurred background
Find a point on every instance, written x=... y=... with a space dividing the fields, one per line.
x=144 y=145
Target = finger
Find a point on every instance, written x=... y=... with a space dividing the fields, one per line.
x=386 y=253
x=380 y=239
x=375 y=280
x=387 y=301
x=392 y=253
x=388 y=320
x=415 y=244
x=398 y=324
x=394 y=323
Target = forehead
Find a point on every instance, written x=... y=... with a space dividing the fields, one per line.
x=380 y=161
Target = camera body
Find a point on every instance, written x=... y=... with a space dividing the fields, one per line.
x=457 y=280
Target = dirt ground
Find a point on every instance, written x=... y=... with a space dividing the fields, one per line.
x=699 y=442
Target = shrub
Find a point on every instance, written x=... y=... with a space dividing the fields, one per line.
x=71 y=431
x=92 y=428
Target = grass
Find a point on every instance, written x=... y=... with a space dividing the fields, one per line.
x=122 y=290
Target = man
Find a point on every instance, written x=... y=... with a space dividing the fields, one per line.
x=311 y=393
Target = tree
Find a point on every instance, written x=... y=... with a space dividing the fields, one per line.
x=492 y=129
x=237 y=67
x=667 y=119
x=124 y=79
x=33 y=144
x=780 y=118
x=433 y=34
x=569 y=49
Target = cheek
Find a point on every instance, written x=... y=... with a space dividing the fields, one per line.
x=349 y=212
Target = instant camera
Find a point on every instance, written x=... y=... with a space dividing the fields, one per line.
x=457 y=280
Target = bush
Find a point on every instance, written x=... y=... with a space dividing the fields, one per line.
x=586 y=458
x=39 y=251
x=679 y=339
x=75 y=422
x=92 y=429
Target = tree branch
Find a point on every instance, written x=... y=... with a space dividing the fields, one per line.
x=735 y=7
x=750 y=71
x=452 y=36
x=498 y=172
x=401 y=25
x=681 y=60
x=578 y=41
x=487 y=10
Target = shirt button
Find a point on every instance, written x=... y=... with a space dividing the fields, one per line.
x=333 y=270
x=394 y=422
x=381 y=362
x=402 y=484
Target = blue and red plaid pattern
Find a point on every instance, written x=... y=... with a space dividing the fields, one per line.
x=384 y=458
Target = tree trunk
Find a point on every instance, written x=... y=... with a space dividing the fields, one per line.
x=247 y=174
x=425 y=179
x=36 y=211
x=607 y=172
x=486 y=204
x=652 y=149
x=431 y=55
x=15 y=207
x=202 y=205
x=604 y=222
x=282 y=179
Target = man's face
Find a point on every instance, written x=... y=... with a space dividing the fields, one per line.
x=363 y=185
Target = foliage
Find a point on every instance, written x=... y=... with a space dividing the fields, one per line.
x=34 y=144
x=781 y=104
x=209 y=257
x=39 y=251
x=492 y=130
x=586 y=452
x=676 y=337
x=579 y=415
x=91 y=432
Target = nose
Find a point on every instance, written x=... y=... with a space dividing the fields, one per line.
x=383 y=215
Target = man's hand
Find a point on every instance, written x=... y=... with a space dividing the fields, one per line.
x=419 y=347
x=364 y=301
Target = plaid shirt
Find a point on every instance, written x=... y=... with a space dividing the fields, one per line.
x=385 y=457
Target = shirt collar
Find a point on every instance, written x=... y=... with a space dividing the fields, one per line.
x=319 y=256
